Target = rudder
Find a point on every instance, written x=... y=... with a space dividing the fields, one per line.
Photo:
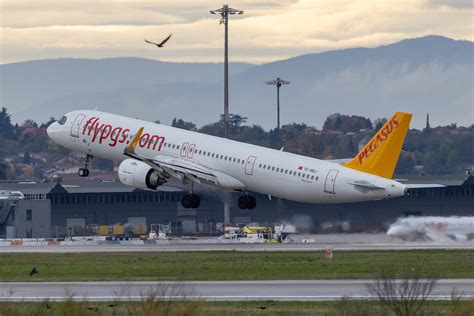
x=380 y=155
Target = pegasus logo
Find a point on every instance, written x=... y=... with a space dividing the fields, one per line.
x=380 y=138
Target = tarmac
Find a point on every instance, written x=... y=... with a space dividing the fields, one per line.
x=196 y=245
x=298 y=290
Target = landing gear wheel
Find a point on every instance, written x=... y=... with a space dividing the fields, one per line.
x=242 y=202
x=191 y=201
x=247 y=202
x=252 y=202
x=196 y=201
x=83 y=172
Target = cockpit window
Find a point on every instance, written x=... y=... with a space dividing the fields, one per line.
x=62 y=120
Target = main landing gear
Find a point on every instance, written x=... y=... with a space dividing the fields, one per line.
x=84 y=172
x=247 y=202
x=191 y=201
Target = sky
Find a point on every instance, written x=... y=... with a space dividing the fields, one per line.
x=267 y=31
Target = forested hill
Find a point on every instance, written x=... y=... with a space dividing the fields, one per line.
x=26 y=152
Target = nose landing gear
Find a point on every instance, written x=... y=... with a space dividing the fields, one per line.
x=247 y=202
x=84 y=172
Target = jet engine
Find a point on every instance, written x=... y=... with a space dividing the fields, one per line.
x=138 y=174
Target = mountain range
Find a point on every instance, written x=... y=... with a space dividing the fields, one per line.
x=431 y=74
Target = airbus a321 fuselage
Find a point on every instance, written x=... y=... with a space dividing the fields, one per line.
x=152 y=154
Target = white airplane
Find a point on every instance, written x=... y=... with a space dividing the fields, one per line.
x=152 y=154
x=11 y=195
x=433 y=227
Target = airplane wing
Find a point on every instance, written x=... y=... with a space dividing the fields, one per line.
x=182 y=169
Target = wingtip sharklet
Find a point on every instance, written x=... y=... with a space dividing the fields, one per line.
x=131 y=147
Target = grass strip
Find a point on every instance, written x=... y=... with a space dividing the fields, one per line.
x=229 y=265
x=157 y=307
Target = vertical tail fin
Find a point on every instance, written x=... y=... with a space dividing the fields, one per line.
x=380 y=155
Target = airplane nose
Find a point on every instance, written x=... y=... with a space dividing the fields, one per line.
x=52 y=130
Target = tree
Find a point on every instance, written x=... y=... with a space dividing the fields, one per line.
x=346 y=123
x=51 y=121
x=7 y=171
x=190 y=126
x=7 y=130
x=27 y=158
x=235 y=120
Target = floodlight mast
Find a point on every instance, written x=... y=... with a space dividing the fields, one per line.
x=224 y=13
x=278 y=82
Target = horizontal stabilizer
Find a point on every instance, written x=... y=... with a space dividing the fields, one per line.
x=366 y=185
x=423 y=185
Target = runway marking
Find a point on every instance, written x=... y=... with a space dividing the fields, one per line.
x=211 y=298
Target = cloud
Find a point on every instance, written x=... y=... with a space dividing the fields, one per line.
x=266 y=32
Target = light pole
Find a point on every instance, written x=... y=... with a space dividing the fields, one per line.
x=278 y=82
x=224 y=13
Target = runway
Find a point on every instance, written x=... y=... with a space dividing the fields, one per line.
x=176 y=247
x=306 y=290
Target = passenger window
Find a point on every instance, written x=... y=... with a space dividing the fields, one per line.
x=273 y=168
x=212 y=155
x=233 y=160
x=209 y=153
x=222 y=156
x=260 y=165
x=200 y=152
x=277 y=169
x=299 y=174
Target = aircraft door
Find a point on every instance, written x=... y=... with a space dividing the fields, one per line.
x=249 y=165
x=76 y=125
x=330 y=184
x=192 y=148
x=184 y=149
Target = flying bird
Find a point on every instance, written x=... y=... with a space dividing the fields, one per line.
x=160 y=44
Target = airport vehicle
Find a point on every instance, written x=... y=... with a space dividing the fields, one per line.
x=433 y=228
x=257 y=234
x=153 y=154
x=11 y=195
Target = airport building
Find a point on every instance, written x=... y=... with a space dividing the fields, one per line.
x=57 y=210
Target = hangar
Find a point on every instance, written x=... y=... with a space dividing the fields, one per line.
x=56 y=210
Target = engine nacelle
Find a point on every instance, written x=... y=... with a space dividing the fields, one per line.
x=138 y=174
